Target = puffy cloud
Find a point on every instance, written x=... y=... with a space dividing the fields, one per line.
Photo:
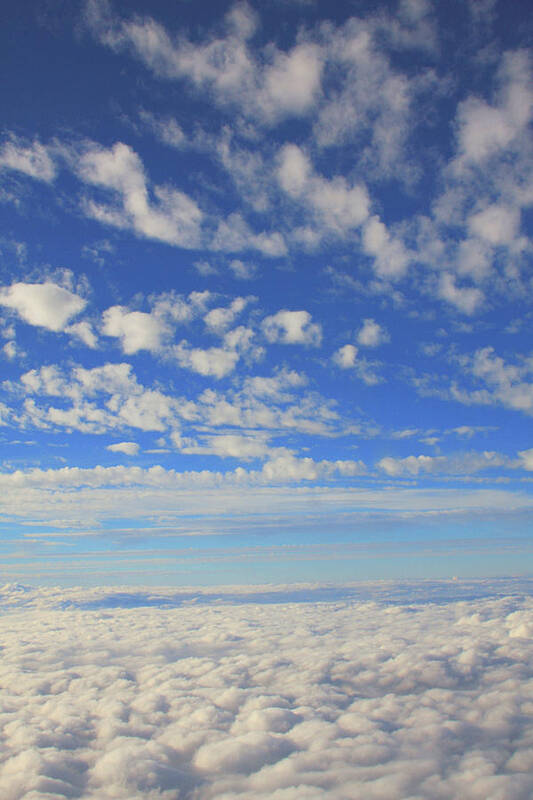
x=403 y=693
x=135 y=329
x=284 y=84
x=372 y=334
x=83 y=331
x=502 y=383
x=220 y=319
x=483 y=129
x=391 y=259
x=102 y=399
x=33 y=160
x=526 y=457
x=496 y=224
x=458 y=464
x=46 y=305
x=467 y=299
x=128 y=448
x=337 y=206
x=173 y=217
x=234 y=234
x=345 y=356
x=292 y=327
x=242 y=269
x=216 y=362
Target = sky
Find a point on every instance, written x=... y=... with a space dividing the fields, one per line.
x=265 y=291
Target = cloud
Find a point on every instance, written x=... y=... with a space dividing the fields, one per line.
x=218 y=320
x=33 y=160
x=345 y=356
x=502 y=383
x=135 y=329
x=243 y=270
x=496 y=224
x=46 y=305
x=338 y=206
x=143 y=694
x=292 y=327
x=391 y=259
x=216 y=362
x=372 y=334
x=282 y=84
x=234 y=234
x=467 y=299
x=485 y=130
x=128 y=448
x=455 y=464
x=170 y=217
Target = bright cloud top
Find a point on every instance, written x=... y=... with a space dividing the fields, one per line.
x=139 y=695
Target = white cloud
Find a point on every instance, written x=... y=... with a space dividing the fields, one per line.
x=128 y=448
x=338 y=206
x=391 y=259
x=218 y=320
x=234 y=234
x=46 y=305
x=485 y=130
x=243 y=270
x=216 y=362
x=345 y=356
x=135 y=329
x=496 y=224
x=372 y=334
x=458 y=464
x=503 y=383
x=172 y=217
x=292 y=327
x=83 y=331
x=141 y=694
x=467 y=299
x=282 y=84
x=33 y=160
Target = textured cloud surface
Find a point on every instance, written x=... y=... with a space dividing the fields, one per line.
x=235 y=695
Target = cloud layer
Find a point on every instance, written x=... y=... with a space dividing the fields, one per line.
x=129 y=695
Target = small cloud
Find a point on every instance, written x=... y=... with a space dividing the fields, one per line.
x=128 y=448
x=292 y=327
x=372 y=334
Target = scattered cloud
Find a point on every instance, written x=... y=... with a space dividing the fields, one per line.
x=45 y=305
x=292 y=327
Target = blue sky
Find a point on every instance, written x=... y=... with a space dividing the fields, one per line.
x=265 y=291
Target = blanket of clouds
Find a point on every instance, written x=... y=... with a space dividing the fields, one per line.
x=256 y=251
x=197 y=695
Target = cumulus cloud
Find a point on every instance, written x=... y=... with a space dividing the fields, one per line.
x=128 y=448
x=455 y=464
x=32 y=159
x=391 y=258
x=345 y=356
x=118 y=694
x=467 y=299
x=284 y=84
x=135 y=329
x=484 y=130
x=292 y=327
x=502 y=383
x=338 y=206
x=372 y=334
x=171 y=216
x=46 y=305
